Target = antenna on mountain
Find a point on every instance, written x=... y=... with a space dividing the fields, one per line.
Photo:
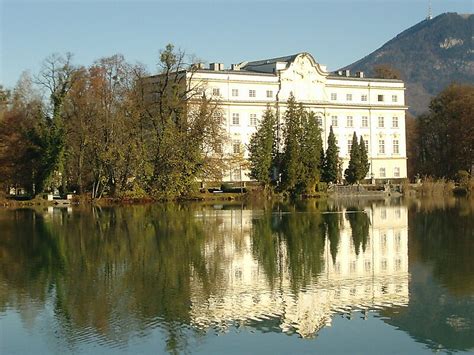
x=430 y=15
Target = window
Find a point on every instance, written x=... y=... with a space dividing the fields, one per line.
x=217 y=115
x=253 y=119
x=200 y=92
x=235 y=119
x=235 y=92
x=395 y=122
x=365 y=121
x=382 y=172
x=216 y=92
x=396 y=173
x=396 y=147
x=252 y=93
x=350 y=121
x=320 y=121
x=334 y=121
x=398 y=238
x=236 y=174
x=380 y=98
x=381 y=147
x=366 y=144
x=394 y=98
x=363 y=98
x=333 y=96
x=353 y=267
x=398 y=264
x=236 y=147
x=349 y=146
x=349 y=97
x=381 y=122
x=269 y=93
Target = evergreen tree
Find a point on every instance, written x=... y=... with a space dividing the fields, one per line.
x=292 y=166
x=331 y=161
x=353 y=170
x=364 y=161
x=311 y=152
x=261 y=149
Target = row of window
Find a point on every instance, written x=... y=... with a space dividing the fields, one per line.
x=269 y=94
x=252 y=119
x=381 y=150
x=235 y=93
x=237 y=148
x=383 y=172
x=334 y=121
x=364 y=97
x=368 y=267
x=364 y=122
x=383 y=265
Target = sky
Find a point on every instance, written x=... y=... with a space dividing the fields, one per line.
x=335 y=32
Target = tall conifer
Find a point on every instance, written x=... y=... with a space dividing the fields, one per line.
x=261 y=149
x=331 y=161
x=311 y=152
x=292 y=166
x=364 y=161
x=353 y=170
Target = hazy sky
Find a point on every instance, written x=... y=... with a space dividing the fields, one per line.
x=336 y=32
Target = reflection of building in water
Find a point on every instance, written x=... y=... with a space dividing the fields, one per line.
x=375 y=277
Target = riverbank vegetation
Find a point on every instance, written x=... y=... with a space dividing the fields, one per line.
x=108 y=129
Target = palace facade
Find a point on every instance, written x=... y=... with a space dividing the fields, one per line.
x=373 y=108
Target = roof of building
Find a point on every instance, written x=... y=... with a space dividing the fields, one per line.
x=288 y=58
x=366 y=78
x=238 y=72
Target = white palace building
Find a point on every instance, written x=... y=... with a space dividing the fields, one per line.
x=373 y=108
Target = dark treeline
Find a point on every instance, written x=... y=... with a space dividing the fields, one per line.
x=441 y=141
x=106 y=129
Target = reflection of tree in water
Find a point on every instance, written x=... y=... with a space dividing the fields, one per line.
x=304 y=235
x=296 y=231
x=29 y=256
x=333 y=221
x=112 y=270
x=266 y=244
x=360 y=223
x=444 y=237
x=440 y=311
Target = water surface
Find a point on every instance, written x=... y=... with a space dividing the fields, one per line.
x=315 y=277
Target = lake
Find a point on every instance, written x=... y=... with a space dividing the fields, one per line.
x=338 y=277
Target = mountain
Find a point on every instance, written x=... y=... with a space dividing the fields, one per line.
x=429 y=56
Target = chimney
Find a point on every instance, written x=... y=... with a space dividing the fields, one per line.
x=347 y=72
x=199 y=66
x=339 y=73
x=234 y=67
x=216 y=66
x=360 y=74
